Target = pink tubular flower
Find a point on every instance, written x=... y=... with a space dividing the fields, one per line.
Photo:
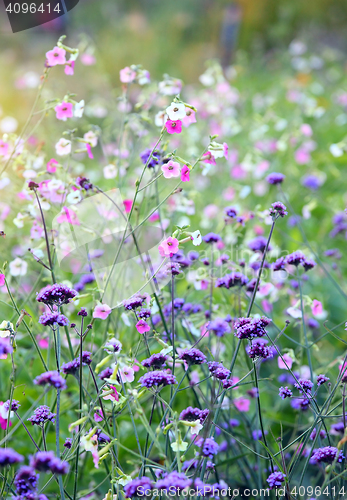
x=113 y=396
x=169 y=247
x=68 y=215
x=171 y=169
x=173 y=127
x=142 y=326
x=127 y=205
x=209 y=158
x=64 y=111
x=242 y=404
x=69 y=68
x=189 y=118
x=102 y=311
x=2 y=279
x=127 y=75
x=98 y=416
x=185 y=174
x=127 y=374
x=3 y=148
x=317 y=308
x=89 y=151
x=285 y=363
x=51 y=166
x=225 y=150
x=56 y=56
x=3 y=421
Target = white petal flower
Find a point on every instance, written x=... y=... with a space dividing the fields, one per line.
x=196 y=237
x=74 y=197
x=63 y=147
x=18 y=267
x=176 y=111
x=79 y=109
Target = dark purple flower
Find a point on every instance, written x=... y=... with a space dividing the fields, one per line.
x=131 y=489
x=45 y=461
x=275 y=178
x=208 y=446
x=113 y=346
x=304 y=386
x=308 y=264
x=326 y=455
x=59 y=467
x=257 y=434
x=276 y=479
x=278 y=210
x=284 y=393
x=232 y=279
x=295 y=258
x=311 y=182
x=14 y=405
x=57 y=294
x=211 y=238
x=105 y=373
x=312 y=323
x=53 y=319
x=322 y=379
x=82 y=312
x=193 y=356
x=155 y=159
x=52 y=378
x=302 y=404
x=259 y=349
x=144 y=313
x=173 y=482
x=71 y=367
x=322 y=434
x=5 y=347
x=26 y=480
x=68 y=443
x=279 y=264
x=247 y=328
x=84 y=183
x=191 y=414
x=258 y=244
x=41 y=415
x=219 y=327
x=155 y=361
x=9 y=457
x=333 y=252
x=221 y=373
x=134 y=302
x=157 y=378
x=231 y=212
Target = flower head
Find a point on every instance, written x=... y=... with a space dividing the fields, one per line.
x=173 y=127
x=275 y=178
x=9 y=457
x=56 y=56
x=276 y=479
x=26 y=480
x=278 y=210
x=51 y=378
x=284 y=392
x=64 y=111
x=41 y=415
x=193 y=356
x=157 y=378
x=171 y=169
x=57 y=294
x=168 y=247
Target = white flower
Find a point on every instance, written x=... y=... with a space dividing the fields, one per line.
x=19 y=220
x=294 y=312
x=74 y=197
x=63 y=147
x=176 y=111
x=160 y=118
x=195 y=427
x=110 y=171
x=3 y=329
x=127 y=374
x=335 y=150
x=179 y=445
x=4 y=412
x=18 y=267
x=91 y=138
x=196 y=237
x=79 y=109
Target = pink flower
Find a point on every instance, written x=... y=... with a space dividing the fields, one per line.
x=127 y=75
x=285 y=363
x=51 y=166
x=2 y=279
x=189 y=118
x=306 y=129
x=225 y=150
x=154 y=217
x=56 y=56
x=88 y=59
x=169 y=247
x=3 y=421
x=127 y=205
x=173 y=127
x=69 y=68
x=317 y=308
x=185 y=173
x=142 y=326
x=64 y=111
x=36 y=232
x=68 y=215
x=209 y=158
x=89 y=151
x=98 y=416
x=302 y=156
x=102 y=311
x=111 y=397
x=171 y=169
x=127 y=374
x=242 y=404
x=3 y=148
x=43 y=343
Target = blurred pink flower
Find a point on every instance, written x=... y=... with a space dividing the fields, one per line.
x=51 y=166
x=169 y=247
x=56 y=56
x=3 y=148
x=287 y=360
x=127 y=75
x=317 y=307
x=69 y=68
x=171 y=169
x=64 y=110
x=173 y=127
x=185 y=173
x=102 y=311
x=242 y=404
x=142 y=326
x=189 y=118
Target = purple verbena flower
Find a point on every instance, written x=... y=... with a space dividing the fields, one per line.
x=295 y=258
x=259 y=349
x=258 y=244
x=322 y=379
x=231 y=279
x=41 y=415
x=304 y=386
x=275 y=178
x=219 y=327
x=173 y=481
x=52 y=378
x=279 y=264
x=193 y=356
x=285 y=392
x=14 y=405
x=25 y=480
x=248 y=328
x=52 y=319
x=157 y=378
x=9 y=457
x=131 y=489
x=326 y=455
x=191 y=414
x=57 y=294
x=278 y=210
x=276 y=479
x=208 y=446
x=155 y=361
x=308 y=264
x=231 y=212
x=211 y=238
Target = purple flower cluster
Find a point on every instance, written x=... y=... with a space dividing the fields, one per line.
x=322 y=379
x=259 y=349
x=157 y=378
x=278 y=210
x=322 y=434
x=14 y=405
x=304 y=386
x=208 y=446
x=52 y=319
x=295 y=258
x=113 y=346
x=155 y=361
x=71 y=367
x=247 y=328
x=193 y=356
x=219 y=327
x=231 y=212
x=275 y=178
x=131 y=489
x=279 y=264
x=232 y=279
x=41 y=415
x=52 y=378
x=173 y=481
x=326 y=455
x=26 y=480
x=211 y=238
x=276 y=479
x=284 y=393
x=191 y=414
x=9 y=457
x=134 y=302
x=44 y=461
x=258 y=244
x=155 y=159
x=57 y=294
